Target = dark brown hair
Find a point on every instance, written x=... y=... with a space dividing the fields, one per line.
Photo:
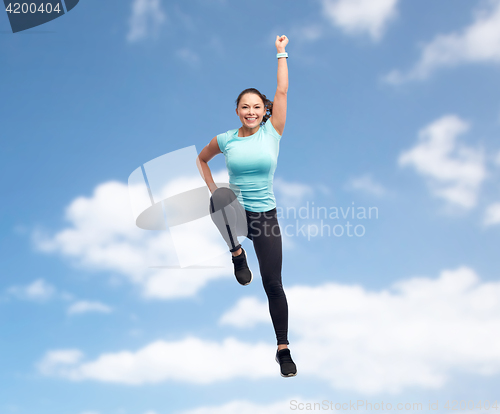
x=267 y=103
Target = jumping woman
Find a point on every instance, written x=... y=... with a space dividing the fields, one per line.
x=248 y=207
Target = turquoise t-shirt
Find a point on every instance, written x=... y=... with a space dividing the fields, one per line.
x=251 y=162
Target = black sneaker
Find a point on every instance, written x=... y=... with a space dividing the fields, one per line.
x=287 y=366
x=241 y=271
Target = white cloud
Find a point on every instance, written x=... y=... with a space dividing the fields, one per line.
x=102 y=236
x=492 y=214
x=309 y=32
x=217 y=45
x=83 y=306
x=291 y=193
x=367 y=184
x=453 y=170
x=304 y=32
x=147 y=17
x=410 y=335
x=246 y=306
x=188 y=56
x=39 y=290
x=477 y=43
x=361 y=16
x=58 y=361
x=189 y=360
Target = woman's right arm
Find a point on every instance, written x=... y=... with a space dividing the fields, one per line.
x=206 y=154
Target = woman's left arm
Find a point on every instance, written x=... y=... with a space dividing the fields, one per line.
x=278 y=117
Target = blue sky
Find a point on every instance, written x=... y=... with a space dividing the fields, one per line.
x=392 y=105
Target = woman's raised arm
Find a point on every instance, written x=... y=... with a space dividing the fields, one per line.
x=278 y=117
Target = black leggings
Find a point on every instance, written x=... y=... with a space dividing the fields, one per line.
x=263 y=229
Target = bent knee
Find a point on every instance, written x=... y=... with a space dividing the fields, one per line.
x=222 y=197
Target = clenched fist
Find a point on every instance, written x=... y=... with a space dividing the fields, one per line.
x=281 y=42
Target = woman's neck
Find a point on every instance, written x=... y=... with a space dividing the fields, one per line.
x=246 y=132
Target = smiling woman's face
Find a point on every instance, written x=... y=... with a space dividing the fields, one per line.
x=251 y=110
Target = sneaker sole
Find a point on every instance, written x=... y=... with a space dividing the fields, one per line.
x=251 y=278
x=284 y=376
